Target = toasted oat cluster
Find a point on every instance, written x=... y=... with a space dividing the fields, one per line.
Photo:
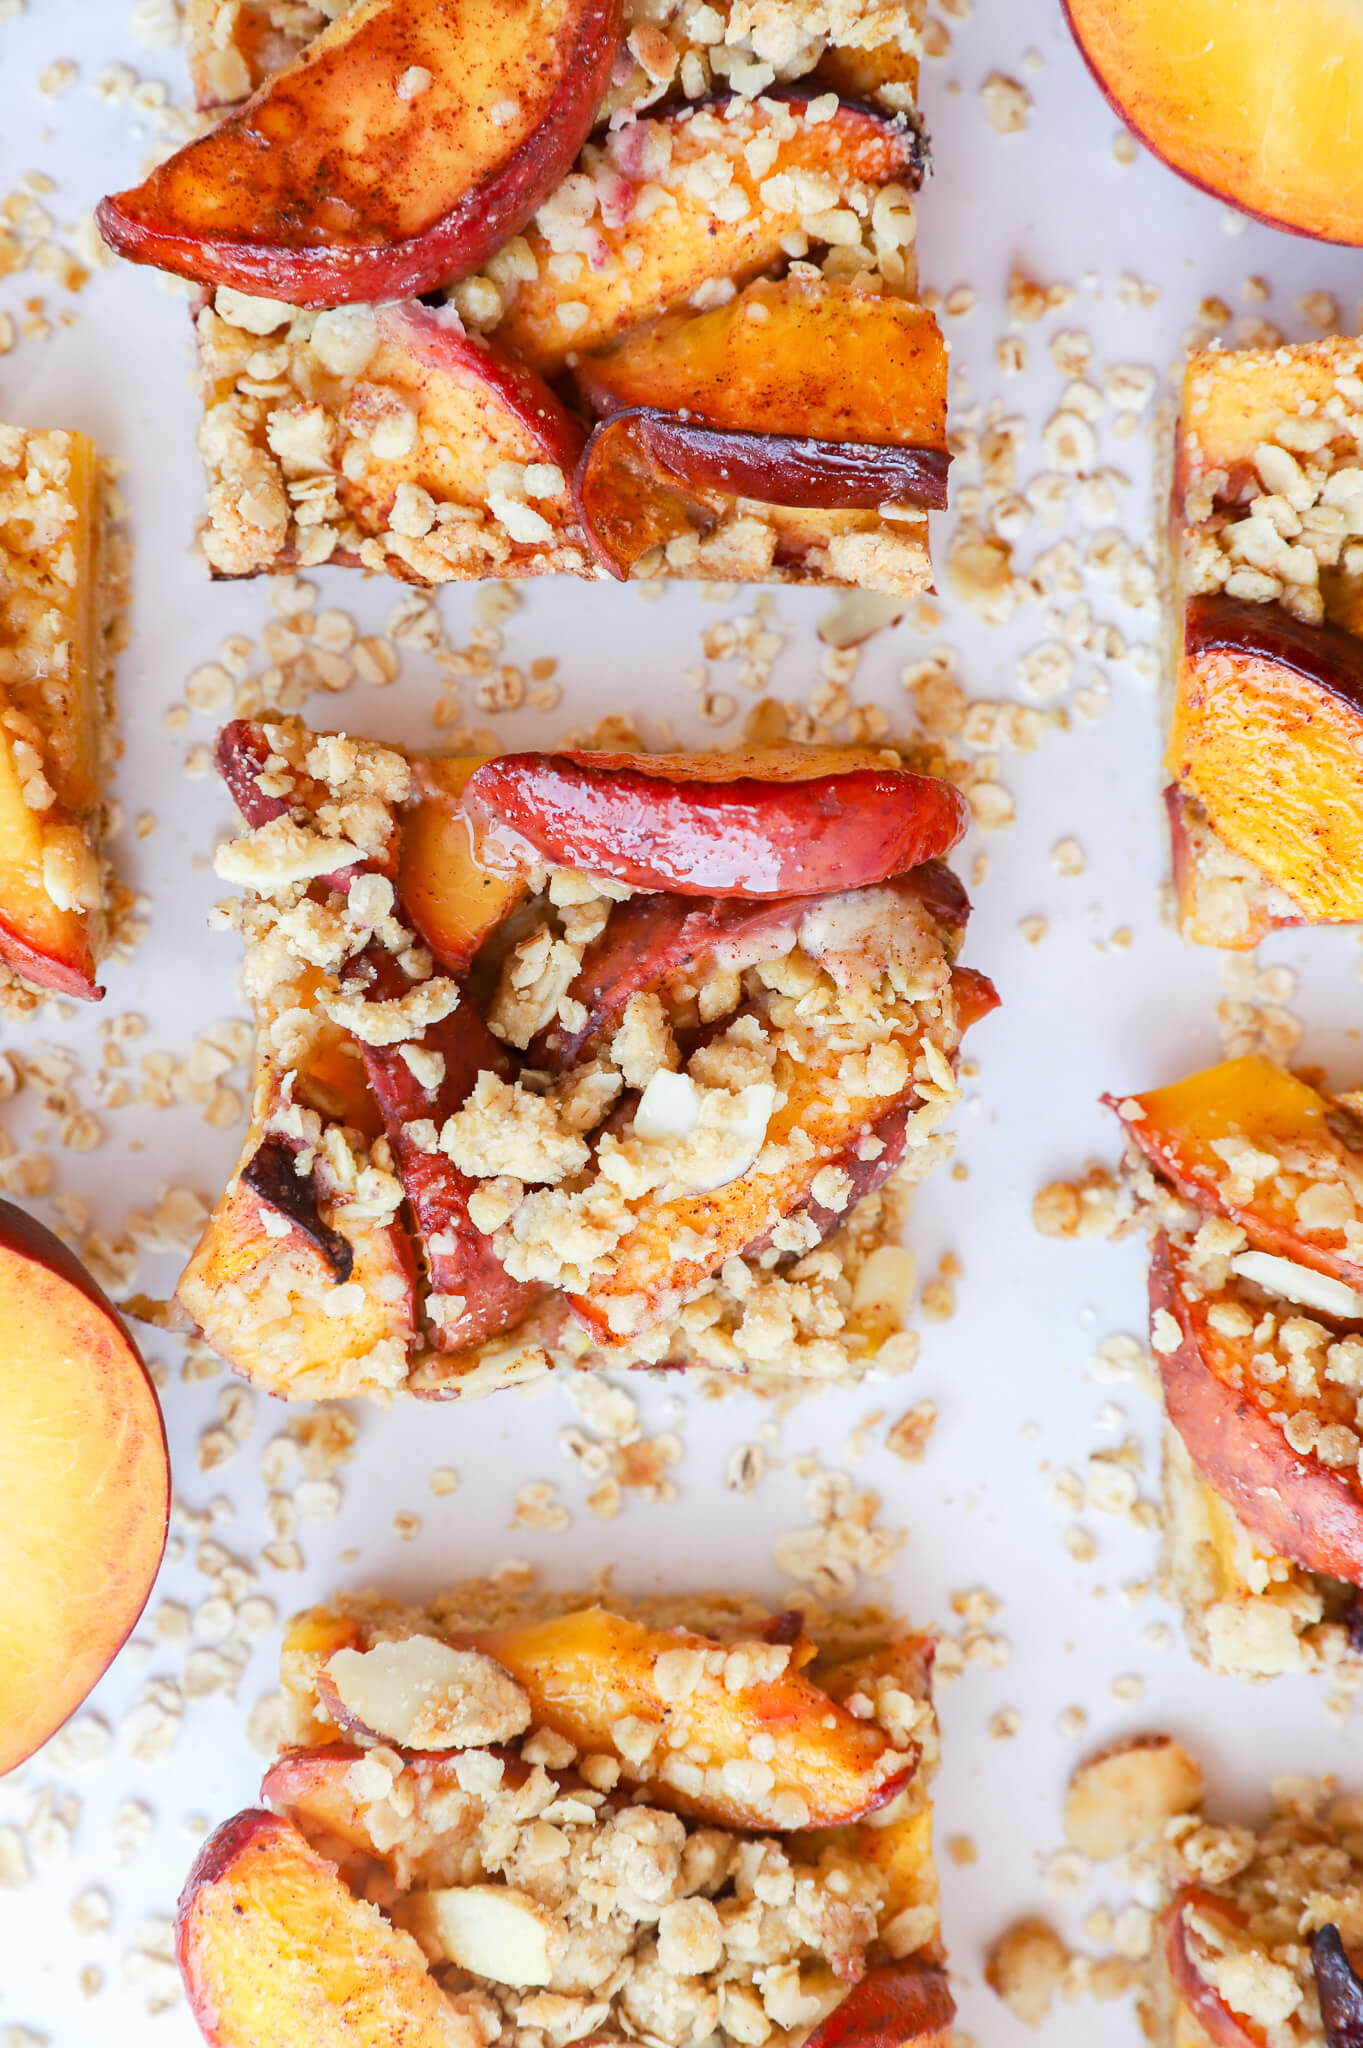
x=1250 y=1184
x=55 y=696
x=1268 y=559
x=536 y=1089
x=659 y=320
x=548 y=1821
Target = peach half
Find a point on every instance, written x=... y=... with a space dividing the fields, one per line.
x=1252 y=101
x=84 y=1484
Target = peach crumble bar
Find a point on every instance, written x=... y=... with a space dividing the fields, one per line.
x=540 y=1822
x=644 y=308
x=580 y=1060
x=1249 y=1182
x=55 y=699
x=1266 y=743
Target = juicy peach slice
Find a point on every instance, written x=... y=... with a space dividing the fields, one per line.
x=662 y=822
x=1202 y=1132
x=451 y=898
x=1223 y=900
x=590 y=1674
x=311 y=1788
x=1252 y=104
x=49 y=946
x=1268 y=734
x=1235 y=399
x=895 y=2005
x=803 y=356
x=1218 y=2023
x=378 y=164
x=651 y=1275
x=645 y=258
x=272 y=1945
x=84 y=1484
x=1233 y=1424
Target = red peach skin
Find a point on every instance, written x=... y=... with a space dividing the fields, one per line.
x=1223 y=2027
x=622 y=815
x=333 y=186
x=904 y=2004
x=1302 y=1509
x=438 y=1192
x=273 y=1947
x=654 y=942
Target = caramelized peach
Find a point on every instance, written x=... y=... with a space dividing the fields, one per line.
x=377 y=165
x=1235 y=1431
x=84 y=1484
x=895 y=2005
x=659 y=822
x=272 y=1945
x=1198 y=1132
x=594 y=1677
x=1268 y=734
x=452 y=900
x=660 y=256
x=809 y=357
x=1220 y=2025
x=1251 y=103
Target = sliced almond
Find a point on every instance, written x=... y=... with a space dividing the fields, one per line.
x=1125 y=1795
x=1302 y=1284
x=423 y=1694
x=490 y=1929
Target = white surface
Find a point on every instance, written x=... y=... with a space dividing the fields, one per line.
x=1078 y=1019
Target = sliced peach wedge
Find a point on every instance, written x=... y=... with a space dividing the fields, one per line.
x=1268 y=735
x=410 y=140
x=84 y=1484
x=1252 y=102
x=1209 y=1348
x=904 y=2004
x=650 y=256
x=770 y=822
x=452 y=900
x=1252 y=1141
x=590 y=1673
x=273 y=1946
x=1216 y=2021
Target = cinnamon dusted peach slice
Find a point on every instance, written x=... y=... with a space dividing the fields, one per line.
x=272 y=1946
x=407 y=143
x=895 y=2005
x=84 y=1484
x=808 y=357
x=1180 y=1944
x=1251 y=103
x=768 y=822
x=662 y=235
x=678 y=1239
x=1268 y=735
x=681 y=1713
x=1250 y=1140
x=647 y=479
x=1270 y=1428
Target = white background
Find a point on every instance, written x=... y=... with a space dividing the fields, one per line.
x=1078 y=1018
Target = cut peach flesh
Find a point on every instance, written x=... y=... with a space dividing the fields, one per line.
x=1269 y=734
x=658 y=261
x=1253 y=101
x=273 y=1947
x=84 y=1488
x=450 y=897
x=801 y=357
x=48 y=946
x=1254 y=1100
x=1234 y=400
x=588 y=1671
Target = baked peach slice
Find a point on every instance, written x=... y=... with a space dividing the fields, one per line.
x=894 y=2005
x=785 y=821
x=1268 y=734
x=406 y=144
x=813 y=358
x=1219 y=2023
x=649 y=257
x=1233 y=1425
x=272 y=1945
x=47 y=943
x=647 y=478
x=591 y=1673
x=1222 y=899
x=451 y=899
x=1204 y=1132
x=84 y=1484
x=1251 y=103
